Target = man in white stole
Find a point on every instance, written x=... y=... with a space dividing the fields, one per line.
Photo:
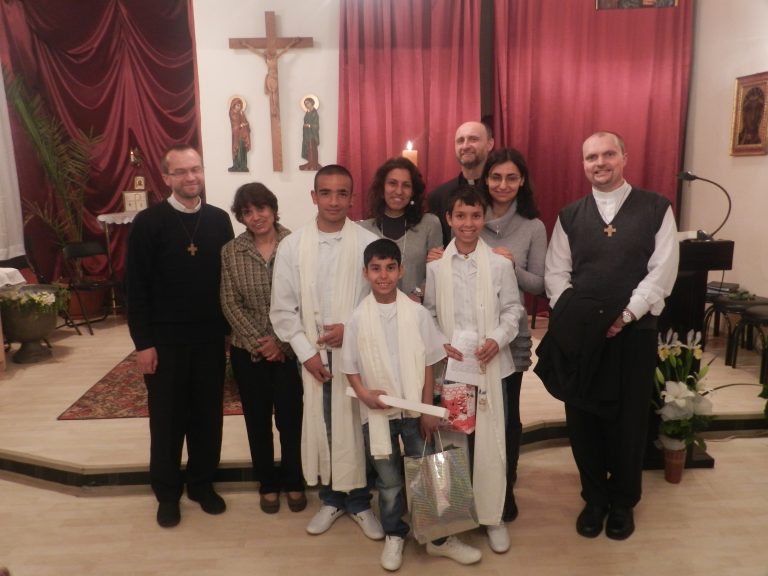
x=473 y=289
x=316 y=285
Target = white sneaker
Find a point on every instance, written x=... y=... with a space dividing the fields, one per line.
x=369 y=524
x=455 y=549
x=498 y=538
x=392 y=555
x=324 y=519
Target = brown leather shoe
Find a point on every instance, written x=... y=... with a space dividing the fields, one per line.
x=270 y=506
x=297 y=504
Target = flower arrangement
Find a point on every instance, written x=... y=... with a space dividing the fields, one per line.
x=34 y=299
x=684 y=409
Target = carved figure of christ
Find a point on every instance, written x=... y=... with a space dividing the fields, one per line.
x=270 y=49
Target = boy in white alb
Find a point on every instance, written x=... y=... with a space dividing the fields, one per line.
x=473 y=290
x=390 y=346
x=316 y=285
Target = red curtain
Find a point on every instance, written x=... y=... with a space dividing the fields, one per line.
x=121 y=68
x=408 y=70
x=565 y=70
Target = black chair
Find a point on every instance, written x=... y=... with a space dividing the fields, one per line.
x=86 y=288
x=753 y=318
x=726 y=306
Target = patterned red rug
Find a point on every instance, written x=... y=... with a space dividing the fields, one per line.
x=122 y=394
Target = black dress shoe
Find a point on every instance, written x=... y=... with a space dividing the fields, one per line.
x=209 y=501
x=168 y=514
x=590 y=522
x=620 y=523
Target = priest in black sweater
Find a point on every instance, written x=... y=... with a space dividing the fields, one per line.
x=174 y=315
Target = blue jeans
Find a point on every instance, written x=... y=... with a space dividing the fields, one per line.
x=389 y=482
x=358 y=499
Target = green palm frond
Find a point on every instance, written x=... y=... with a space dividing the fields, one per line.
x=65 y=160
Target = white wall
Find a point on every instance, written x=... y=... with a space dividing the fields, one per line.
x=731 y=40
x=224 y=72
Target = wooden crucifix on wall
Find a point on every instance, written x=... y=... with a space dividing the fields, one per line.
x=270 y=49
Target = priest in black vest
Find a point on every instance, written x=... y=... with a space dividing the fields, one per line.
x=611 y=262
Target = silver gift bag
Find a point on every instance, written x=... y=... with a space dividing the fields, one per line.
x=440 y=497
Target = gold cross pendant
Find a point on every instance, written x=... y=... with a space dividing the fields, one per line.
x=609 y=230
x=192 y=249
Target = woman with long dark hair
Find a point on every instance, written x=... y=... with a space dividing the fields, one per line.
x=513 y=229
x=397 y=213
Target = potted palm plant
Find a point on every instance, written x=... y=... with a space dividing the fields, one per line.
x=66 y=162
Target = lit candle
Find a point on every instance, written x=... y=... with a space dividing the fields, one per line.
x=411 y=154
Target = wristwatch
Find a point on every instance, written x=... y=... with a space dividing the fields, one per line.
x=627 y=316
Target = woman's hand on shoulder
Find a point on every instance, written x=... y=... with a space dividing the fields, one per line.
x=501 y=251
x=435 y=254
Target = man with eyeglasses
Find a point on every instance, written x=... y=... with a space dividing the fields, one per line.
x=173 y=270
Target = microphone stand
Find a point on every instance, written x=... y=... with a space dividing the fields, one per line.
x=689 y=177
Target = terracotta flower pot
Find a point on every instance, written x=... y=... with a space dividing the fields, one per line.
x=674 y=463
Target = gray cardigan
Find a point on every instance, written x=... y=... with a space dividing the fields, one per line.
x=527 y=240
x=414 y=245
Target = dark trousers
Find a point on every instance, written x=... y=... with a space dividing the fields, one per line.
x=514 y=427
x=609 y=450
x=266 y=387
x=185 y=398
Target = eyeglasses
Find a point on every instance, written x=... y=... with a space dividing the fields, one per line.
x=510 y=178
x=182 y=172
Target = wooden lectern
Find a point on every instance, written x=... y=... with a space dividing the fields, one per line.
x=684 y=309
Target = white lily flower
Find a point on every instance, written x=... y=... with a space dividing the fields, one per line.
x=676 y=392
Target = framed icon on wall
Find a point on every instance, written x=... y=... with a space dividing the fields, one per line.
x=749 y=135
x=134 y=200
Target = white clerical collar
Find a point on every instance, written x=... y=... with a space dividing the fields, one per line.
x=614 y=195
x=181 y=208
x=609 y=203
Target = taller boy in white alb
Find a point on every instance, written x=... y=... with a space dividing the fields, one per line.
x=316 y=285
x=472 y=289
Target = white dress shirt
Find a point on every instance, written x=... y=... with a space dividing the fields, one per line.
x=285 y=310
x=508 y=308
x=350 y=354
x=649 y=294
